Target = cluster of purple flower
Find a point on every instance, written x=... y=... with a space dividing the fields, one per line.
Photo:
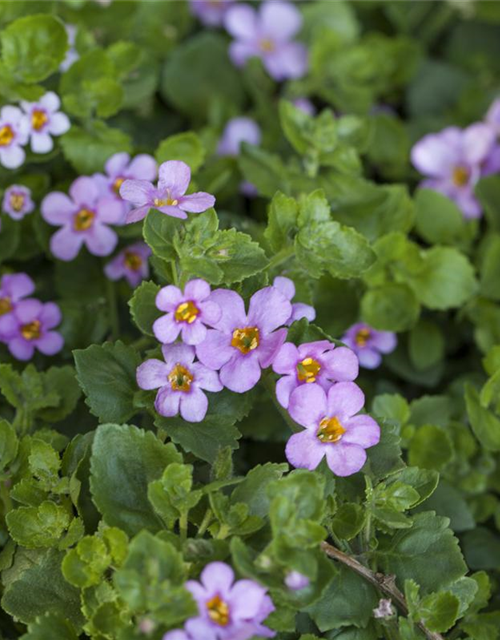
x=455 y=159
x=17 y=202
x=223 y=345
x=34 y=122
x=26 y=323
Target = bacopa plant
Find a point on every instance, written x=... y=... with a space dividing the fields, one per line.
x=249 y=320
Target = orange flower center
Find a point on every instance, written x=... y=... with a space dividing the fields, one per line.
x=133 y=261
x=218 y=611
x=246 y=339
x=186 y=312
x=460 y=176
x=17 y=201
x=83 y=220
x=6 y=135
x=5 y=306
x=117 y=184
x=267 y=45
x=308 y=369
x=362 y=337
x=38 y=119
x=31 y=330
x=330 y=430
x=180 y=378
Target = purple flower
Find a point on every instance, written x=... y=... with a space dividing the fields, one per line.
x=131 y=264
x=13 y=288
x=120 y=168
x=31 y=327
x=72 y=54
x=454 y=160
x=187 y=313
x=168 y=197
x=493 y=116
x=14 y=131
x=299 y=309
x=296 y=581
x=312 y=363
x=45 y=120
x=210 y=12
x=179 y=381
x=241 y=344
x=238 y=130
x=369 y=344
x=332 y=428
x=83 y=219
x=305 y=105
x=228 y=609
x=17 y=201
x=267 y=34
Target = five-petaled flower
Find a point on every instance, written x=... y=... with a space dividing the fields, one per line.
x=240 y=344
x=45 y=120
x=179 y=381
x=332 y=428
x=131 y=263
x=210 y=12
x=369 y=344
x=187 y=313
x=299 y=309
x=168 y=197
x=237 y=131
x=17 y=201
x=267 y=34
x=312 y=363
x=13 y=288
x=83 y=218
x=228 y=609
x=14 y=132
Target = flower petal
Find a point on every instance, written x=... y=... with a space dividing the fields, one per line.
x=167 y=402
x=135 y=215
x=50 y=315
x=269 y=309
x=143 y=167
x=109 y=210
x=101 y=240
x=361 y=430
x=196 y=202
x=50 y=343
x=193 y=405
x=57 y=208
x=210 y=312
x=285 y=285
x=193 y=333
x=369 y=358
x=232 y=308
x=241 y=373
x=284 y=388
x=217 y=577
x=138 y=192
x=152 y=374
x=280 y=20
x=241 y=22
x=288 y=61
x=384 y=341
x=345 y=399
x=269 y=346
x=246 y=599
x=304 y=451
x=206 y=378
x=169 y=298
x=286 y=359
x=174 y=176
x=50 y=101
x=341 y=364
x=66 y=243
x=116 y=165
x=166 y=329
x=345 y=459
x=59 y=124
x=197 y=290
x=21 y=349
x=216 y=350
x=41 y=142
x=84 y=191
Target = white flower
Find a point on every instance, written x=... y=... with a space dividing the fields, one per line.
x=14 y=133
x=44 y=120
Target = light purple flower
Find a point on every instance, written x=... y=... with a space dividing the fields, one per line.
x=72 y=54
x=332 y=428
x=237 y=131
x=228 y=609
x=210 y=12
x=305 y=105
x=384 y=609
x=45 y=120
x=369 y=344
x=312 y=363
x=119 y=167
x=31 y=327
x=187 y=313
x=241 y=344
x=13 y=288
x=168 y=197
x=131 y=263
x=296 y=581
x=14 y=132
x=17 y=201
x=179 y=381
x=493 y=116
x=299 y=309
x=454 y=160
x=267 y=34
x=83 y=218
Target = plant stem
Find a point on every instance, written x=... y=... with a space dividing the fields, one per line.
x=183 y=525
x=112 y=309
x=385 y=584
x=175 y=276
x=270 y=387
x=207 y=519
x=282 y=256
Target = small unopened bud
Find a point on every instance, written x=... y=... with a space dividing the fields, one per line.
x=384 y=609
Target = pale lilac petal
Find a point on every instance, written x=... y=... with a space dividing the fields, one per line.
x=138 y=192
x=152 y=374
x=286 y=286
x=361 y=430
x=314 y=349
x=269 y=346
x=169 y=298
x=240 y=52
x=57 y=208
x=116 y=165
x=284 y=388
x=269 y=309
x=174 y=212
x=217 y=577
x=21 y=349
x=12 y=157
x=50 y=101
x=301 y=310
x=434 y=156
x=14 y=114
x=345 y=399
x=210 y=312
x=166 y=329
x=206 y=378
x=478 y=141
x=66 y=243
x=308 y=404
x=167 y=402
x=246 y=599
x=237 y=131
x=174 y=176
x=28 y=310
x=369 y=358
x=101 y=240
x=193 y=333
x=468 y=204
x=50 y=343
x=178 y=354
x=341 y=364
x=143 y=167
x=41 y=142
x=84 y=191
x=304 y=451
x=137 y=214
x=109 y=210
x=241 y=373
x=286 y=359
x=197 y=290
x=193 y=405
x=241 y=22
x=50 y=315
x=233 y=310
x=345 y=459
x=17 y=285
x=200 y=629
x=280 y=20
x=216 y=350
x=59 y=124
x=196 y=202
x=115 y=269
x=384 y=341
x=288 y=61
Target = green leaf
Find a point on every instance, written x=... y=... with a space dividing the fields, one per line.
x=449 y=501
x=282 y=222
x=485 y=425
x=33 y=47
x=172 y=495
x=426 y=345
x=159 y=231
x=143 y=307
x=439 y=611
x=253 y=490
x=392 y=407
x=8 y=444
x=50 y=626
x=390 y=307
x=41 y=526
x=107 y=376
x=61 y=380
x=430 y=448
x=488 y=192
x=438 y=219
x=186 y=147
x=490 y=268
x=481 y=549
x=124 y=461
x=348 y=521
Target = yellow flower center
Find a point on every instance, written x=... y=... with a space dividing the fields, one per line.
x=267 y=45
x=308 y=369
x=117 y=184
x=38 y=119
x=362 y=337
x=180 y=378
x=218 y=611
x=5 y=306
x=31 y=330
x=460 y=176
x=165 y=202
x=187 y=312
x=17 y=201
x=83 y=220
x=133 y=260
x=330 y=430
x=246 y=339
x=6 y=135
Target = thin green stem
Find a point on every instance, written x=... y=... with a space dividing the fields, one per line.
x=175 y=275
x=114 y=322
x=205 y=523
x=281 y=257
x=183 y=525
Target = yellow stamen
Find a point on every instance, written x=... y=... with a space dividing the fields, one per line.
x=83 y=220
x=165 y=202
x=218 y=611
x=31 y=330
x=133 y=260
x=307 y=370
x=5 y=306
x=38 y=119
x=17 y=201
x=117 y=184
x=330 y=430
x=460 y=176
x=180 y=378
x=362 y=337
x=187 y=312
x=267 y=45
x=6 y=135
x=246 y=339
